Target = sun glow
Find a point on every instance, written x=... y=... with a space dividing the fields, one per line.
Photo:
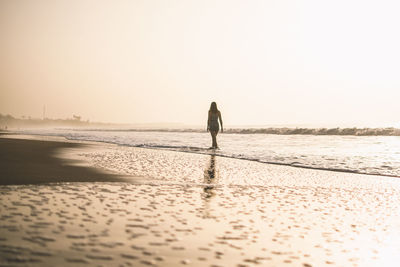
x=264 y=62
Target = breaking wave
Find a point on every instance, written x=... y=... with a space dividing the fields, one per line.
x=278 y=131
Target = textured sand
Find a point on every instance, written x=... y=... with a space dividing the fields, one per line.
x=201 y=210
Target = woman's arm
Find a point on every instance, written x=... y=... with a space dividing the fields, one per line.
x=208 y=121
x=220 y=121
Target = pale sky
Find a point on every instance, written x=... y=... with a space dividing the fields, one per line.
x=264 y=62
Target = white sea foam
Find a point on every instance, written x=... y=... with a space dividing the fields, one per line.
x=350 y=153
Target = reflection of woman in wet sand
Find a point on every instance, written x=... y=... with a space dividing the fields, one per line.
x=212 y=124
x=210 y=172
x=210 y=177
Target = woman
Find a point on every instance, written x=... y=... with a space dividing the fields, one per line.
x=212 y=124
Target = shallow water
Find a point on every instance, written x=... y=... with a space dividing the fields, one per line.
x=361 y=154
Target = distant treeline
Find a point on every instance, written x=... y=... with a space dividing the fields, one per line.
x=9 y=122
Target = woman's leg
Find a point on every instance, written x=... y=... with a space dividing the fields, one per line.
x=214 y=139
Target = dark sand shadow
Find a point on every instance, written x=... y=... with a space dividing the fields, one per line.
x=34 y=162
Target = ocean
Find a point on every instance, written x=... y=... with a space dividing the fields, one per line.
x=366 y=154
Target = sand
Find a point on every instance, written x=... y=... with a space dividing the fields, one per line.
x=35 y=162
x=180 y=209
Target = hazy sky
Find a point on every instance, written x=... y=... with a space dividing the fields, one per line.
x=264 y=62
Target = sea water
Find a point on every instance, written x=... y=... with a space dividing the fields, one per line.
x=360 y=154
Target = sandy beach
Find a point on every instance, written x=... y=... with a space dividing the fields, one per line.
x=34 y=162
x=126 y=206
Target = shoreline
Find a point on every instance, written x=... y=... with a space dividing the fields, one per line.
x=59 y=160
x=83 y=143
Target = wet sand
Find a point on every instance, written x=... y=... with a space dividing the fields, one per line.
x=201 y=210
x=35 y=162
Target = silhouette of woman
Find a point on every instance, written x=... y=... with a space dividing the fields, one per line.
x=212 y=124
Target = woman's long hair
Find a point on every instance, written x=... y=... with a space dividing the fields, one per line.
x=213 y=108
